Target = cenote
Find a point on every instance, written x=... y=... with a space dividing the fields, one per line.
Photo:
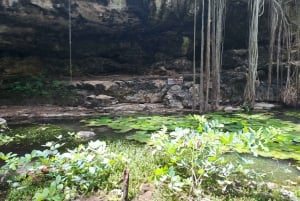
x=129 y=80
x=278 y=163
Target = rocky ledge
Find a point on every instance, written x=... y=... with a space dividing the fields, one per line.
x=24 y=114
x=119 y=95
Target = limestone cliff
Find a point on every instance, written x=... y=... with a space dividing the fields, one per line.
x=108 y=36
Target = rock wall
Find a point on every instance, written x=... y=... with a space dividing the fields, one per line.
x=108 y=36
x=123 y=37
x=171 y=93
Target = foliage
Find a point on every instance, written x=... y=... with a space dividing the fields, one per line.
x=38 y=86
x=77 y=171
x=140 y=162
x=141 y=126
x=285 y=144
x=184 y=164
x=193 y=163
x=295 y=114
x=4 y=139
x=246 y=107
x=53 y=192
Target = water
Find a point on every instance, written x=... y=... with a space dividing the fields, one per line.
x=271 y=170
x=277 y=171
x=59 y=127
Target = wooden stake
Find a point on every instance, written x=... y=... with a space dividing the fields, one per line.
x=125 y=184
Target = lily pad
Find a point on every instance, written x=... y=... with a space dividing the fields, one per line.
x=285 y=145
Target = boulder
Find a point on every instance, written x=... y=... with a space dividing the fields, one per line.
x=265 y=106
x=288 y=195
x=231 y=109
x=85 y=135
x=143 y=97
x=261 y=92
x=100 y=101
x=172 y=67
x=234 y=58
x=99 y=85
x=3 y=124
x=175 y=96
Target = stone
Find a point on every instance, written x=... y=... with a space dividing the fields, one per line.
x=143 y=97
x=271 y=185
x=241 y=69
x=172 y=81
x=181 y=96
x=288 y=195
x=96 y=85
x=110 y=35
x=172 y=67
x=232 y=76
x=85 y=135
x=3 y=124
x=234 y=58
x=231 y=109
x=124 y=36
x=261 y=93
x=100 y=100
x=146 y=192
x=265 y=106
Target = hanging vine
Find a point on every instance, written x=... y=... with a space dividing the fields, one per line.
x=194 y=57
x=290 y=91
x=219 y=10
x=256 y=8
x=212 y=27
x=201 y=86
x=70 y=41
x=208 y=53
x=273 y=18
x=278 y=80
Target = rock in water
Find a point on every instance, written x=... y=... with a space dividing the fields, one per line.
x=3 y=124
x=85 y=135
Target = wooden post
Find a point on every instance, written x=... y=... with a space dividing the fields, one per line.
x=125 y=185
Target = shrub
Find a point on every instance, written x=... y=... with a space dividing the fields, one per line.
x=77 y=171
x=192 y=163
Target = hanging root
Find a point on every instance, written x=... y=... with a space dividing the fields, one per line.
x=289 y=95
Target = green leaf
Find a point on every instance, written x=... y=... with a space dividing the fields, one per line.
x=41 y=195
x=161 y=171
x=92 y=170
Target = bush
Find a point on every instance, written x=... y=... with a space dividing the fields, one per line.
x=78 y=171
x=192 y=163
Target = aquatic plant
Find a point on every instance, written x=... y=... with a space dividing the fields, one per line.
x=283 y=146
x=141 y=127
x=36 y=135
x=192 y=164
x=183 y=163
